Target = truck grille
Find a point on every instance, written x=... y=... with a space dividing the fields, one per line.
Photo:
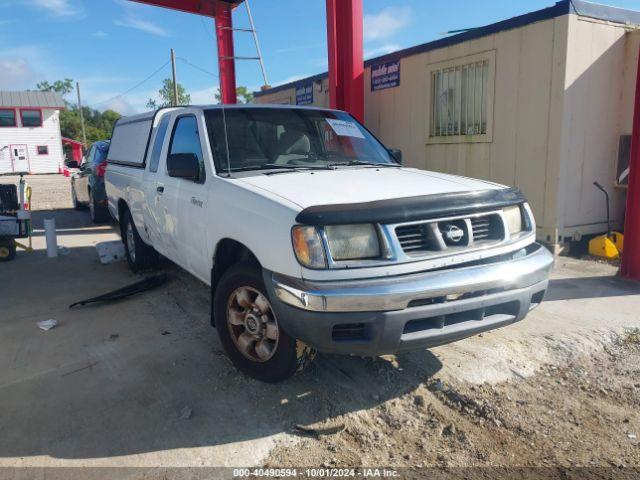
x=413 y=238
x=420 y=239
x=488 y=227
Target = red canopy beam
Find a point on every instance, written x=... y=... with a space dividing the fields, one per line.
x=346 y=64
x=345 y=42
x=199 y=7
x=226 y=61
x=221 y=10
x=630 y=267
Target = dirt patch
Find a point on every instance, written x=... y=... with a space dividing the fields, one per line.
x=582 y=414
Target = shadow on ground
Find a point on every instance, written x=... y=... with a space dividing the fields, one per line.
x=590 y=287
x=148 y=374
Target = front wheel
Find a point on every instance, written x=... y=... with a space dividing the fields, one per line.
x=140 y=256
x=249 y=330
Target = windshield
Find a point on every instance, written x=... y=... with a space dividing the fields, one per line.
x=287 y=138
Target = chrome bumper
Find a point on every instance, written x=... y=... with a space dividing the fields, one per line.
x=397 y=293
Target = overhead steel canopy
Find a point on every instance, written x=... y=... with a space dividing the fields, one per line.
x=344 y=38
x=199 y=7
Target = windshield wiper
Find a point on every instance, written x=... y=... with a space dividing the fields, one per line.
x=273 y=166
x=361 y=162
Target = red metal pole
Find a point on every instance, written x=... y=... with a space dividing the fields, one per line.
x=346 y=64
x=630 y=267
x=226 y=61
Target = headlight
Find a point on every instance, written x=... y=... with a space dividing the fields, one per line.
x=350 y=242
x=307 y=246
x=513 y=218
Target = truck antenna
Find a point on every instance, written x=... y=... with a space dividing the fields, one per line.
x=226 y=140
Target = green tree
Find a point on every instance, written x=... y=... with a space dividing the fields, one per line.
x=243 y=95
x=63 y=87
x=165 y=95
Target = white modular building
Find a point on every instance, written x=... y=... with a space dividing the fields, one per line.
x=30 y=139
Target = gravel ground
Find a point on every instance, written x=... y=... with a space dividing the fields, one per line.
x=50 y=192
x=557 y=391
x=582 y=414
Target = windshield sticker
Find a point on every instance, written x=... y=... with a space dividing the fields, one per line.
x=344 y=128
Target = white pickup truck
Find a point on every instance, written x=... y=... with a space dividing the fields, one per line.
x=313 y=236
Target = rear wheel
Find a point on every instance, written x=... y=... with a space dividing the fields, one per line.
x=249 y=330
x=99 y=213
x=7 y=249
x=140 y=256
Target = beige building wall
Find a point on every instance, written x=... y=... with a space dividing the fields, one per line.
x=598 y=108
x=560 y=94
x=525 y=96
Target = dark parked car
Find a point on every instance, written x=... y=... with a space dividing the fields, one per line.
x=87 y=184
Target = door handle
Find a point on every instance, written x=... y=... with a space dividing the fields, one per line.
x=160 y=189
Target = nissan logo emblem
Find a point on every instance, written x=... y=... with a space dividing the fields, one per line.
x=453 y=233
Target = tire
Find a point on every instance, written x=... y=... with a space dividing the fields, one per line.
x=99 y=213
x=140 y=256
x=281 y=356
x=74 y=198
x=7 y=250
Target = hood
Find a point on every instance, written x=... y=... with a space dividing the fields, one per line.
x=358 y=185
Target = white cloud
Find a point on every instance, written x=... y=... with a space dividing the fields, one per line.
x=16 y=74
x=123 y=106
x=382 y=50
x=203 y=96
x=59 y=8
x=129 y=104
x=142 y=25
x=18 y=69
x=99 y=34
x=385 y=24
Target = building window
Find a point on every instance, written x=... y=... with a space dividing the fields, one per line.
x=31 y=118
x=462 y=98
x=7 y=117
x=43 y=150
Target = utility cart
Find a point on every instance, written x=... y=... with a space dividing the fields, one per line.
x=15 y=218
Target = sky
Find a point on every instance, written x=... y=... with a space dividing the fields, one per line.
x=119 y=50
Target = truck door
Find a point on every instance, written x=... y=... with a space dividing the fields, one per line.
x=153 y=186
x=186 y=201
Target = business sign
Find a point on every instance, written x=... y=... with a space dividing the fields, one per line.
x=304 y=94
x=385 y=75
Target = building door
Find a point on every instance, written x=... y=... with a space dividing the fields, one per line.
x=20 y=158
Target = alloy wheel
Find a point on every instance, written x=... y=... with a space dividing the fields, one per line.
x=252 y=324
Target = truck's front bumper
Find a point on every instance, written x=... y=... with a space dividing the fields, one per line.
x=391 y=314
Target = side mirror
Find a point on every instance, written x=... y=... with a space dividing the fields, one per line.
x=396 y=153
x=183 y=165
x=72 y=164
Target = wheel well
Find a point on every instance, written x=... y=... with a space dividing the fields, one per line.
x=228 y=253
